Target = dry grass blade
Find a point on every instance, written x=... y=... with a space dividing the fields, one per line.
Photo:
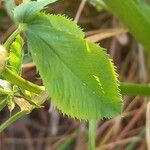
x=80 y=9
x=132 y=122
x=107 y=33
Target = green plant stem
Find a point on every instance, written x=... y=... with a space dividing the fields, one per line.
x=126 y=88
x=13 y=119
x=40 y=99
x=17 y=80
x=13 y=36
x=135 y=89
x=3 y=103
x=92 y=134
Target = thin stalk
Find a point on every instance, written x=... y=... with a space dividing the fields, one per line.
x=9 y=41
x=3 y=103
x=17 y=80
x=13 y=119
x=126 y=88
x=134 y=89
x=40 y=99
x=92 y=124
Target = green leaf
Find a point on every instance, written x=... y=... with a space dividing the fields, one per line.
x=10 y=5
x=15 y=55
x=63 y=24
x=26 y=11
x=79 y=76
x=57 y=22
x=144 y=7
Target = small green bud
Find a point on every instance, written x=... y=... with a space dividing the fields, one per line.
x=3 y=58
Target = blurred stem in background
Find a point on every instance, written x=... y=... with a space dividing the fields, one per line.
x=133 y=89
x=131 y=13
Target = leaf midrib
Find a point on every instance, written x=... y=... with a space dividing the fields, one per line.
x=74 y=74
